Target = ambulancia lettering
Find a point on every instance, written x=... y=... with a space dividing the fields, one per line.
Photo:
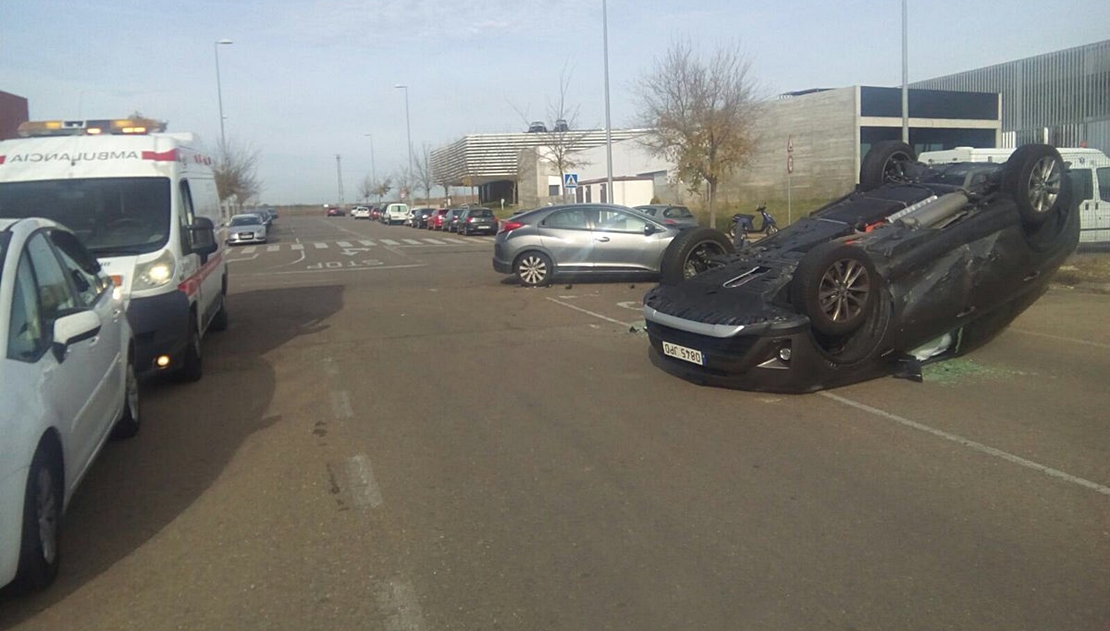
x=87 y=156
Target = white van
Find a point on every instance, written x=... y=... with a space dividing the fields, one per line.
x=395 y=213
x=145 y=203
x=1090 y=173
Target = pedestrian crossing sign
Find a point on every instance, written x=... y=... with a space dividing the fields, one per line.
x=570 y=180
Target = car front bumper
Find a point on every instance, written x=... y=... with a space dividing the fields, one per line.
x=160 y=325
x=753 y=359
x=236 y=239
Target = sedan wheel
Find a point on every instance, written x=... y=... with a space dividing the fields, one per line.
x=42 y=515
x=533 y=269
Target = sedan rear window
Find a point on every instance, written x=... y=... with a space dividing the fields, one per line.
x=481 y=213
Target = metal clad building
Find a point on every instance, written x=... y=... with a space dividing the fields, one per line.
x=1062 y=98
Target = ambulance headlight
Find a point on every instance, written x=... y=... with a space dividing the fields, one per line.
x=154 y=274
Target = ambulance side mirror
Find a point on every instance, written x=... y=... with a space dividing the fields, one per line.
x=202 y=237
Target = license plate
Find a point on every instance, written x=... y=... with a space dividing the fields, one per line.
x=683 y=353
x=245 y=235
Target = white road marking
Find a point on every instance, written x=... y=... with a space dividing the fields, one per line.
x=588 y=312
x=297 y=246
x=333 y=270
x=411 y=241
x=272 y=248
x=397 y=598
x=330 y=367
x=249 y=249
x=971 y=444
x=343 y=244
x=390 y=242
x=1060 y=338
x=320 y=246
x=435 y=241
x=341 y=404
x=449 y=240
x=365 y=492
x=242 y=258
x=366 y=242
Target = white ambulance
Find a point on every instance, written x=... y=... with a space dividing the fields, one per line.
x=145 y=203
x=1090 y=175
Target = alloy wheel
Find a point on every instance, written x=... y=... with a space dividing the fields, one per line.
x=1044 y=184
x=700 y=258
x=46 y=510
x=844 y=289
x=532 y=269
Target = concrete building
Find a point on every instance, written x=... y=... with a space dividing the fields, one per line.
x=1062 y=98
x=493 y=162
x=13 y=111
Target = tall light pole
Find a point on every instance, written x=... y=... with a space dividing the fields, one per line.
x=408 y=125
x=905 y=79
x=219 y=88
x=608 y=126
x=373 y=171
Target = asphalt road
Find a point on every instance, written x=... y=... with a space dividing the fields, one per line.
x=389 y=436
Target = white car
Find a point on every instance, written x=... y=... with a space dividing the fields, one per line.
x=247 y=228
x=67 y=380
x=360 y=212
x=395 y=213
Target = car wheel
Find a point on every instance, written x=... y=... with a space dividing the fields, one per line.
x=692 y=252
x=533 y=269
x=886 y=163
x=128 y=424
x=835 y=285
x=1034 y=177
x=191 y=366
x=42 y=520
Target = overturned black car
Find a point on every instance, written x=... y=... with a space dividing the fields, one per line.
x=919 y=263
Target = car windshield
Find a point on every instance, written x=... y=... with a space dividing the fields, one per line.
x=111 y=216
x=245 y=220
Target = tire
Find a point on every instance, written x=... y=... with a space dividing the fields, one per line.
x=39 y=555
x=885 y=163
x=836 y=286
x=192 y=368
x=533 y=269
x=128 y=424
x=690 y=252
x=1034 y=177
x=462 y=231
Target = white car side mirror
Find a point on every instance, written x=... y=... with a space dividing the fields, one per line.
x=73 y=328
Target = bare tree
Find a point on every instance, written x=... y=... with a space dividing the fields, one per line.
x=382 y=188
x=423 y=173
x=561 y=140
x=404 y=182
x=236 y=171
x=702 y=115
x=366 y=188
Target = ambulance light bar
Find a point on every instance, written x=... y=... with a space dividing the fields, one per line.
x=128 y=126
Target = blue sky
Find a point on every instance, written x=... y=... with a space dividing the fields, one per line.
x=308 y=79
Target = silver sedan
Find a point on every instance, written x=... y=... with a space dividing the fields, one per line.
x=247 y=228
x=576 y=239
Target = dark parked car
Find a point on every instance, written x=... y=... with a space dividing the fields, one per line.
x=420 y=217
x=451 y=219
x=475 y=220
x=670 y=215
x=335 y=211
x=919 y=263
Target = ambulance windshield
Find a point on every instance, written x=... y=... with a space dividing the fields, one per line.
x=111 y=216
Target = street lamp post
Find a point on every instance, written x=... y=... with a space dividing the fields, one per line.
x=905 y=79
x=219 y=89
x=373 y=171
x=408 y=125
x=608 y=127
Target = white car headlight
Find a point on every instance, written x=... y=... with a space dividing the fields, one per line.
x=154 y=274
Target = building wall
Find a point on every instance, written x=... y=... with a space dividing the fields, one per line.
x=1062 y=97
x=13 y=111
x=823 y=129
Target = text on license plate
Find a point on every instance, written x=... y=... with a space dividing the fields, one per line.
x=683 y=353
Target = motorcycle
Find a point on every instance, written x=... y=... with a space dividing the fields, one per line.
x=744 y=225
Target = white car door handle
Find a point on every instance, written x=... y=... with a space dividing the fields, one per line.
x=602 y=239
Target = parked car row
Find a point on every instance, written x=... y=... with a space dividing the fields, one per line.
x=465 y=220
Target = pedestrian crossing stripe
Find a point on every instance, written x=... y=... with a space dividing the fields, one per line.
x=413 y=241
x=297 y=247
x=320 y=246
x=343 y=244
x=390 y=242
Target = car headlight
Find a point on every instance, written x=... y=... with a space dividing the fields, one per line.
x=154 y=274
